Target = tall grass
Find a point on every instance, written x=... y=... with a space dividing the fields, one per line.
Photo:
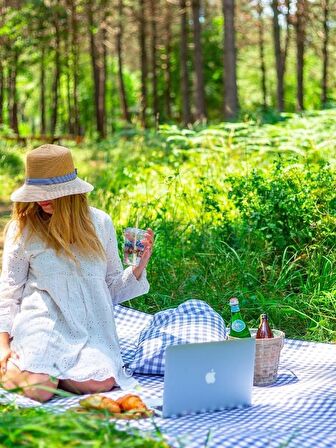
x=34 y=427
x=242 y=209
x=238 y=209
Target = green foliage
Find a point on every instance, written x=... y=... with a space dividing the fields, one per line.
x=238 y=209
x=10 y=161
x=37 y=427
x=244 y=209
x=293 y=206
x=28 y=38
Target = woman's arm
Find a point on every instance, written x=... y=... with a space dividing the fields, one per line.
x=123 y=284
x=14 y=274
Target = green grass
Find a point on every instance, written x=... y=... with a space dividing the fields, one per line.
x=243 y=209
x=38 y=428
x=240 y=209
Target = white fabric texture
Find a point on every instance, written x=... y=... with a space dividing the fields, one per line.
x=60 y=314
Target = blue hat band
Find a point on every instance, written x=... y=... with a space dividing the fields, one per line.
x=52 y=180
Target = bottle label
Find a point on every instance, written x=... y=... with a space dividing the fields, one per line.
x=238 y=325
x=235 y=308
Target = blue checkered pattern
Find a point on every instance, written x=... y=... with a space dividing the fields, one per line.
x=130 y=323
x=298 y=411
x=192 y=321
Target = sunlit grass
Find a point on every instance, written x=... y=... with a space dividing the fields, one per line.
x=242 y=209
x=239 y=209
x=36 y=427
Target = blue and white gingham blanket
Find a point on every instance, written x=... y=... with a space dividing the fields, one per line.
x=298 y=411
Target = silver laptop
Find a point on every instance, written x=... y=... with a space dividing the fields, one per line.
x=208 y=376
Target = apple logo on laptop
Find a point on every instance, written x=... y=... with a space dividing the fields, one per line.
x=210 y=377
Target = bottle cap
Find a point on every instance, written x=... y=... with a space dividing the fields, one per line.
x=234 y=301
x=263 y=316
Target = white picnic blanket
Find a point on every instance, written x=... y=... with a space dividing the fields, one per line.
x=298 y=411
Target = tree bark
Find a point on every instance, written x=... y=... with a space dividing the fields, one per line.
x=43 y=128
x=230 y=61
x=68 y=89
x=14 y=124
x=300 y=47
x=2 y=90
x=198 y=60
x=74 y=56
x=185 y=93
x=262 y=53
x=99 y=77
x=2 y=68
x=57 y=75
x=277 y=54
x=325 y=53
x=103 y=77
x=143 y=62
x=119 y=44
x=167 y=66
x=154 y=60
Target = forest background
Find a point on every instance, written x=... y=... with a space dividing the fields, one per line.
x=212 y=122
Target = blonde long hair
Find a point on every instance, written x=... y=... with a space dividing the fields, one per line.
x=69 y=224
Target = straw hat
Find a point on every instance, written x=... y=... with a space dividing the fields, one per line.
x=50 y=174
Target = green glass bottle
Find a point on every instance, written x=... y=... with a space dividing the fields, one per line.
x=238 y=328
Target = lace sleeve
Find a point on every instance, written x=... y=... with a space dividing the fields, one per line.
x=14 y=274
x=122 y=284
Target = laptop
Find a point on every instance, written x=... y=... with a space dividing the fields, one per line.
x=208 y=376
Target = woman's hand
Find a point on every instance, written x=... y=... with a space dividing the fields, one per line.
x=148 y=242
x=5 y=354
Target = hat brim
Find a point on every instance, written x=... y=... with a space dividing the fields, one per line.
x=34 y=193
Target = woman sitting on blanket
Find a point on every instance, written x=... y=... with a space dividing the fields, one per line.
x=61 y=276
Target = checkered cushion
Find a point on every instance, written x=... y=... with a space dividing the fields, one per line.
x=192 y=321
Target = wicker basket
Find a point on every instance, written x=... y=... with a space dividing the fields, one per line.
x=267 y=358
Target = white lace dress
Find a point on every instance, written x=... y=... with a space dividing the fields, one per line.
x=59 y=313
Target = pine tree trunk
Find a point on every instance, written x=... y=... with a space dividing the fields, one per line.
x=74 y=56
x=12 y=93
x=278 y=56
x=300 y=47
x=230 y=61
x=167 y=68
x=9 y=98
x=43 y=128
x=68 y=90
x=94 y=61
x=185 y=93
x=154 y=60
x=119 y=42
x=98 y=69
x=2 y=90
x=102 y=81
x=143 y=62
x=198 y=60
x=56 y=78
x=325 y=53
x=262 y=53
x=2 y=68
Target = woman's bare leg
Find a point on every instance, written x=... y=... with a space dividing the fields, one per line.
x=87 y=387
x=30 y=382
